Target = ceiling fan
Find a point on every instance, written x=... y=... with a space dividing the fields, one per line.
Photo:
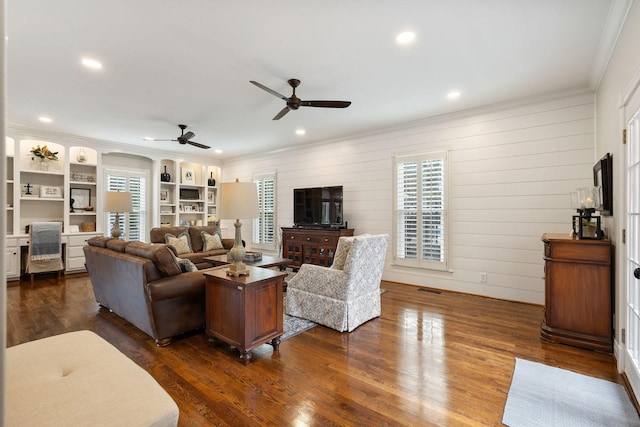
x=185 y=138
x=293 y=103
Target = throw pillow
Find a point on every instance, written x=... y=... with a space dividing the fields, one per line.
x=211 y=241
x=344 y=246
x=186 y=265
x=181 y=244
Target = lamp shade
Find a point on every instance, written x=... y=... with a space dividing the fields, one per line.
x=238 y=200
x=117 y=201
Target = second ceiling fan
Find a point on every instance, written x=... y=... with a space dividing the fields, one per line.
x=293 y=102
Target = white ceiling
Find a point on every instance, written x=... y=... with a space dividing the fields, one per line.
x=190 y=61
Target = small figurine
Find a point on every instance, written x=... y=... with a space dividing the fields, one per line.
x=28 y=187
x=72 y=209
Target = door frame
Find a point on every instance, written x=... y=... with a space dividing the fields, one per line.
x=629 y=106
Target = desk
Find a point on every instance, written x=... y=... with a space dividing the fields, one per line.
x=17 y=247
x=245 y=311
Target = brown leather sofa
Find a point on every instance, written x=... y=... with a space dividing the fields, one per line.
x=144 y=284
x=157 y=235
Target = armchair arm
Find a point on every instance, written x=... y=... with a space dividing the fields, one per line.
x=320 y=280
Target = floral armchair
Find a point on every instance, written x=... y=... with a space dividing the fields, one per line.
x=345 y=295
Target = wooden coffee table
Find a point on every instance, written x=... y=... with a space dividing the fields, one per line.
x=265 y=262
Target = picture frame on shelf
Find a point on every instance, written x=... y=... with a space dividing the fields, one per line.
x=80 y=198
x=164 y=195
x=50 y=192
x=74 y=229
x=187 y=208
x=188 y=176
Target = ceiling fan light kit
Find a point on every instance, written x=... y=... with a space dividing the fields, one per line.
x=293 y=102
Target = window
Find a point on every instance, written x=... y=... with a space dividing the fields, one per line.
x=133 y=224
x=420 y=211
x=264 y=225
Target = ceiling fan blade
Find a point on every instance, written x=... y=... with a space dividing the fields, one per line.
x=271 y=91
x=188 y=135
x=197 y=144
x=325 y=104
x=282 y=112
x=158 y=140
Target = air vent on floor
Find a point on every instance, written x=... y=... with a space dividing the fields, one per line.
x=431 y=291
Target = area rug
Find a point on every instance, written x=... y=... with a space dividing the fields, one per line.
x=546 y=396
x=294 y=326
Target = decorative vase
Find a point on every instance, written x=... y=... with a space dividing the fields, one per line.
x=165 y=176
x=43 y=165
x=81 y=156
x=211 y=181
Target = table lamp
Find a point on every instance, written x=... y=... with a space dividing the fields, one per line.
x=117 y=201
x=238 y=200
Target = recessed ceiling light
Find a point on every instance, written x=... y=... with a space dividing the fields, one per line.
x=300 y=131
x=453 y=94
x=217 y=151
x=406 y=37
x=44 y=119
x=91 y=63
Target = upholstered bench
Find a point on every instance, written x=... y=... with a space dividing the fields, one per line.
x=79 y=379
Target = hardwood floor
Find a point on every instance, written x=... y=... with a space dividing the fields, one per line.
x=432 y=358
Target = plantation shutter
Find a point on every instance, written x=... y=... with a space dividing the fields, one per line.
x=134 y=223
x=264 y=224
x=419 y=213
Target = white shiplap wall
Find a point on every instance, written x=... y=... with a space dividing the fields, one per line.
x=511 y=169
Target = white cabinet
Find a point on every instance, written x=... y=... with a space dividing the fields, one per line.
x=75 y=253
x=12 y=258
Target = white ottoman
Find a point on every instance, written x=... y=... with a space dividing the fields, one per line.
x=79 y=379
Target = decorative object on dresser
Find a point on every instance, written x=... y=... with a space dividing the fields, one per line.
x=586 y=225
x=238 y=200
x=165 y=176
x=311 y=245
x=603 y=180
x=117 y=201
x=578 y=278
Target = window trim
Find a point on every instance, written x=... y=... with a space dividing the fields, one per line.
x=418 y=262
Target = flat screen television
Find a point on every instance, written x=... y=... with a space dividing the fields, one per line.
x=318 y=207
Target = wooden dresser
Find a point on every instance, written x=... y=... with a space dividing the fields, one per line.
x=311 y=245
x=578 y=294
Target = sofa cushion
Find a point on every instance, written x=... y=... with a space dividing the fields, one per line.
x=181 y=243
x=161 y=255
x=117 y=245
x=211 y=241
x=99 y=241
x=195 y=234
x=342 y=250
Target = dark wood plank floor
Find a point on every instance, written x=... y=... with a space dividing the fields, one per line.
x=430 y=359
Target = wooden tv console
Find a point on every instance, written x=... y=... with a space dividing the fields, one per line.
x=311 y=245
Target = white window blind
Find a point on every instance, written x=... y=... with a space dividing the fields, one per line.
x=133 y=224
x=264 y=224
x=420 y=211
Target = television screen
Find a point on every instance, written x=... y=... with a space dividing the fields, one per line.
x=318 y=206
